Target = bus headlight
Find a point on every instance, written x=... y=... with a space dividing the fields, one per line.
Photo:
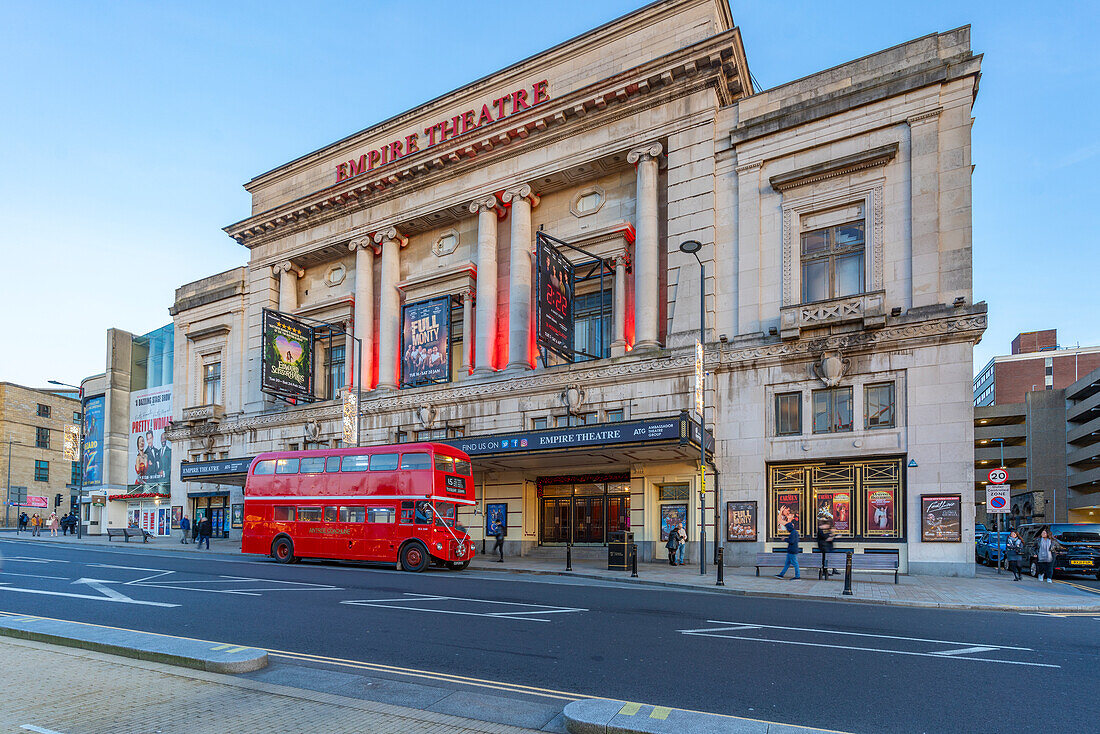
x=439 y=546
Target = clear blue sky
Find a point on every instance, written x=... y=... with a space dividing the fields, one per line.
x=128 y=128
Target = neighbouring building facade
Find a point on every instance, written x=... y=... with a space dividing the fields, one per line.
x=33 y=427
x=127 y=454
x=1036 y=362
x=833 y=219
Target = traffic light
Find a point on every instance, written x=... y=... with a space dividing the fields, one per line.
x=57 y=500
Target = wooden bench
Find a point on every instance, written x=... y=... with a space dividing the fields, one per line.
x=869 y=562
x=771 y=560
x=128 y=533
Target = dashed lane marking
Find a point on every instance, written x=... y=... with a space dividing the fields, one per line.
x=38 y=729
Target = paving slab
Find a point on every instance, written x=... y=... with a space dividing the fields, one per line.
x=606 y=716
x=189 y=653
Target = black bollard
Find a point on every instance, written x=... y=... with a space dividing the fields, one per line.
x=848 y=574
x=634 y=561
x=569 y=557
x=721 y=566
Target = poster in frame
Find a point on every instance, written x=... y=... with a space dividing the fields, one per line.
x=554 y=317
x=881 y=506
x=741 y=521
x=788 y=508
x=426 y=342
x=177 y=515
x=496 y=516
x=941 y=518
x=237 y=516
x=287 y=357
x=671 y=516
x=834 y=505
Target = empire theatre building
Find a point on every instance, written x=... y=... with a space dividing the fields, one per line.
x=502 y=269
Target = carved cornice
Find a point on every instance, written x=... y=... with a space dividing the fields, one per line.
x=924 y=116
x=648 y=152
x=863 y=160
x=747 y=167
x=649 y=366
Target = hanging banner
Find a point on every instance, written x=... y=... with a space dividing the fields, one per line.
x=72 y=442
x=351 y=419
x=93 y=441
x=287 y=367
x=150 y=464
x=426 y=342
x=554 y=301
x=699 y=378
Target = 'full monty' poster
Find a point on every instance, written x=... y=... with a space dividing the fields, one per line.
x=426 y=342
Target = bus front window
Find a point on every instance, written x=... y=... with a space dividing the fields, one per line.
x=446 y=513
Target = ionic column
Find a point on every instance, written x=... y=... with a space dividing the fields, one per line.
x=467 y=329
x=618 y=321
x=288 y=274
x=488 y=211
x=519 y=286
x=364 y=312
x=646 y=260
x=389 y=307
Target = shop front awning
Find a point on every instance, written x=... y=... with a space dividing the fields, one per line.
x=219 y=471
x=598 y=445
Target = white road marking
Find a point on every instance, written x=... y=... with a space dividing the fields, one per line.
x=127 y=568
x=854 y=634
x=27 y=559
x=34 y=575
x=518 y=614
x=98 y=585
x=966 y=651
x=38 y=729
x=126 y=600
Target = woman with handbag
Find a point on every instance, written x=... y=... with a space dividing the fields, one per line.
x=1045 y=548
x=1014 y=552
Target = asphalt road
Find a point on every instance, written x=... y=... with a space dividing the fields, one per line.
x=843 y=666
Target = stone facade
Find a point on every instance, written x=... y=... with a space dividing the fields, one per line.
x=655 y=116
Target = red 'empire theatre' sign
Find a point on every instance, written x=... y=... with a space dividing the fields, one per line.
x=490 y=112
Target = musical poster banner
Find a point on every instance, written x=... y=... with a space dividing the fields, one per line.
x=150 y=463
x=93 y=441
x=287 y=368
x=741 y=522
x=835 y=506
x=788 y=509
x=941 y=518
x=554 y=303
x=426 y=342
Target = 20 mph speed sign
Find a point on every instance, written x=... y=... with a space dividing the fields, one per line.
x=997 y=476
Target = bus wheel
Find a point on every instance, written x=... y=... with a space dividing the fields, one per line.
x=457 y=565
x=414 y=557
x=283 y=551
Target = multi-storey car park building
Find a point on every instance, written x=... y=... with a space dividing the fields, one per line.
x=835 y=221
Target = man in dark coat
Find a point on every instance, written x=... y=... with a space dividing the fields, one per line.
x=792 y=550
x=206 y=529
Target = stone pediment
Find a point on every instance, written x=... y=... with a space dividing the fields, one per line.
x=452 y=281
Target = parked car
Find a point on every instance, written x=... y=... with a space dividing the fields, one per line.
x=1080 y=543
x=991 y=548
x=980 y=528
x=978 y=538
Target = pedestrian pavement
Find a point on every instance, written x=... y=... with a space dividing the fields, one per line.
x=986 y=591
x=105 y=694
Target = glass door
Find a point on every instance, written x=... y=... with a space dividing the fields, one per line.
x=588 y=513
x=618 y=513
x=555 y=526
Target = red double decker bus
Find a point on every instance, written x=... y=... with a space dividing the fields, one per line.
x=386 y=504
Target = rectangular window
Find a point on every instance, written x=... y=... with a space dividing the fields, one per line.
x=788 y=414
x=432 y=434
x=462 y=467
x=833 y=410
x=212 y=383
x=570 y=421
x=309 y=514
x=313 y=465
x=615 y=416
x=406 y=513
x=353 y=514
x=77 y=416
x=539 y=424
x=592 y=325
x=414 y=462
x=457 y=431
x=265 y=467
x=334 y=371
x=401 y=437
x=832 y=262
x=42 y=438
x=355 y=463
x=878 y=405
x=41 y=471
x=444 y=463
x=672 y=492
x=76 y=473
x=332 y=514
x=383 y=462
x=286 y=466
x=283 y=514
x=43 y=410
x=332 y=464
x=384 y=515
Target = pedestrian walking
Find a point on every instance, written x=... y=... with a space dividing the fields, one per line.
x=825 y=538
x=206 y=529
x=683 y=542
x=185 y=529
x=1047 y=547
x=1014 y=552
x=36 y=525
x=54 y=524
x=673 y=545
x=498 y=547
x=792 y=550
x=23 y=520
x=195 y=530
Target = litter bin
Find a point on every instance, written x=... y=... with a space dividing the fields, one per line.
x=618 y=550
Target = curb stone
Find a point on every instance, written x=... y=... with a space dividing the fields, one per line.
x=605 y=716
x=182 y=651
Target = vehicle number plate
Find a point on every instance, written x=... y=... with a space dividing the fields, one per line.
x=1080 y=563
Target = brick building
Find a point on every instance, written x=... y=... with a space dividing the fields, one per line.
x=32 y=431
x=1036 y=363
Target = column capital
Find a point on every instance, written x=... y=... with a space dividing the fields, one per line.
x=390 y=234
x=469 y=294
x=620 y=258
x=286 y=266
x=520 y=191
x=487 y=203
x=647 y=152
x=361 y=243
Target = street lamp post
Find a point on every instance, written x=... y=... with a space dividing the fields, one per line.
x=80 y=462
x=692 y=247
x=7 y=498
